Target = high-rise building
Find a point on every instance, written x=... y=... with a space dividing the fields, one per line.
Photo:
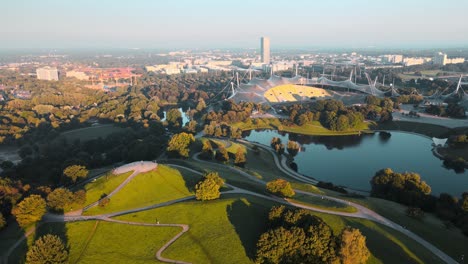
x=440 y=58
x=265 y=49
x=47 y=73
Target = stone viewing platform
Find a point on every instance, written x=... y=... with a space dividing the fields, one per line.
x=137 y=166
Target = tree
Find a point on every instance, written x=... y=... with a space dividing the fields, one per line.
x=279 y=149
x=280 y=245
x=293 y=148
x=75 y=171
x=208 y=188
x=280 y=187
x=215 y=177
x=222 y=154
x=415 y=212
x=275 y=141
x=59 y=199
x=2 y=221
x=352 y=246
x=179 y=144
x=191 y=126
x=207 y=150
x=47 y=249
x=174 y=118
x=240 y=159
x=30 y=210
x=201 y=105
x=464 y=201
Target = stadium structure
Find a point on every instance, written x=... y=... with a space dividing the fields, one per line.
x=280 y=90
x=276 y=89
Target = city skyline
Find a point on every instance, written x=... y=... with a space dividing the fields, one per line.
x=213 y=24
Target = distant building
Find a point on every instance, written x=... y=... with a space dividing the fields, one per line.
x=416 y=61
x=441 y=59
x=265 y=50
x=78 y=74
x=393 y=58
x=47 y=73
x=22 y=94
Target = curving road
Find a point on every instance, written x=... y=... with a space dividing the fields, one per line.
x=362 y=211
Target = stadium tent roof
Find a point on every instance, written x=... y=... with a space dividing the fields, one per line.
x=255 y=88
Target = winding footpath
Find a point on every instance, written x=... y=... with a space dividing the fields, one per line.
x=362 y=212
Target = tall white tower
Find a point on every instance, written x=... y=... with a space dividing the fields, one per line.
x=265 y=49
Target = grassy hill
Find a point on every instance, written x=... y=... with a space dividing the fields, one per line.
x=161 y=185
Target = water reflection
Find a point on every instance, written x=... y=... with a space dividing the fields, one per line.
x=353 y=160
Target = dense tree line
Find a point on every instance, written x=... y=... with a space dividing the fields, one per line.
x=44 y=162
x=331 y=114
x=408 y=189
x=298 y=236
x=449 y=110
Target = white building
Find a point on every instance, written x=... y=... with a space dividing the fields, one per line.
x=265 y=49
x=47 y=73
x=392 y=58
x=415 y=61
x=441 y=59
x=78 y=74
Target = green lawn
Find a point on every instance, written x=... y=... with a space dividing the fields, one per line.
x=89 y=133
x=322 y=203
x=234 y=224
x=312 y=128
x=216 y=228
x=232 y=147
x=429 y=130
x=103 y=186
x=106 y=242
x=161 y=185
x=432 y=229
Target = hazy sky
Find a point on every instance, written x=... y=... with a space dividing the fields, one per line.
x=232 y=23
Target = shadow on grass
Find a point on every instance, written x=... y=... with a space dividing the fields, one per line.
x=250 y=222
x=190 y=179
x=384 y=249
x=8 y=237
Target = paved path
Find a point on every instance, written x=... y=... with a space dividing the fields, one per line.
x=136 y=167
x=362 y=212
x=429 y=119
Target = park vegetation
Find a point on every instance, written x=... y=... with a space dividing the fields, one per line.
x=75 y=172
x=47 y=249
x=208 y=187
x=61 y=199
x=179 y=144
x=297 y=236
x=280 y=187
x=408 y=189
x=30 y=210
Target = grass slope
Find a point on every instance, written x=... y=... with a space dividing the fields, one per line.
x=322 y=203
x=105 y=242
x=451 y=241
x=160 y=185
x=233 y=224
x=103 y=185
x=217 y=227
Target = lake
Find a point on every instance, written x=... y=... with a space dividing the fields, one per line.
x=353 y=160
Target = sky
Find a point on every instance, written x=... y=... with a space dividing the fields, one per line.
x=194 y=24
